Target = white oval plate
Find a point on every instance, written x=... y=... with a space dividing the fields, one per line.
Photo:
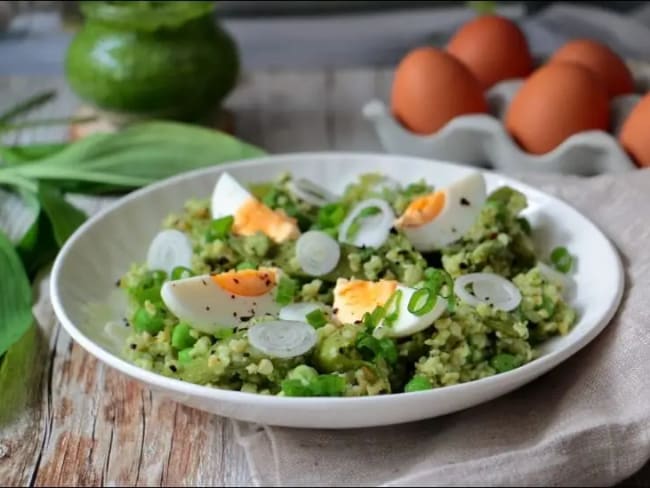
x=105 y=246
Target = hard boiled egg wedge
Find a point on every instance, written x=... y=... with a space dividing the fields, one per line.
x=436 y=220
x=210 y=302
x=354 y=298
x=250 y=215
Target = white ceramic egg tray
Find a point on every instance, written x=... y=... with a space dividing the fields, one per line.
x=481 y=140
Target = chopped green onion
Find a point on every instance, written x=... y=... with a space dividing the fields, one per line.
x=327 y=385
x=388 y=350
x=548 y=305
x=158 y=276
x=371 y=348
x=245 y=265
x=143 y=322
x=372 y=319
x=525 y=225
x=270 y=198
x=355 y=226
x=223 y=333
x=561 y=259
x=368 y=346
x=181 y=337
x=504 y=362
x=416 y=189
x=180 y=272
x=417 y=383
x=421 y=302
x=149 y=287
x=287 y=289
x=316 y=318
x=435 y=279
x=220 y=228
x=185 y=356
x=392 y=307
x=321 y=385
x=295 y=388
x=330 y=216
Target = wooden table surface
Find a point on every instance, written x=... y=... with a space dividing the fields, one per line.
x=80 y=423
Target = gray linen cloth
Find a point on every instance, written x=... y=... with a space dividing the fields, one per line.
x=587 y=422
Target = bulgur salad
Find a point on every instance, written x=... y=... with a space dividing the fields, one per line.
x=287 y=288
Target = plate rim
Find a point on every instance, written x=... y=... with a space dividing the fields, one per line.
x=520 y=376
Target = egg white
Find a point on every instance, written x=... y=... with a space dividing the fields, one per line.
x=206 y=306
x=463 y=201
x=408 y=323
x=228 y=196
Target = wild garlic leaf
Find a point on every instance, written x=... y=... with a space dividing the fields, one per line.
x=15 y=296
x=26 y=105
x=13 y=155
x=64 y=217
x=17 y=213
x=138 y=155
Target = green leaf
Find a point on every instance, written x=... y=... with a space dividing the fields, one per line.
x=27 y=105
x=38 y=246
x=18 y=213
x=138 y=155
x=15 y=296
x=30 y=152
x=65 y=217
x=18 y=371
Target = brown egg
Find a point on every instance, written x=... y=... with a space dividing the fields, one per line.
x=634 y=135
x=555 y=102
x=601 y=60
x=493 y=48
x=430 y=88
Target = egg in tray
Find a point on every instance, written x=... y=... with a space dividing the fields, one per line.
x=483 y=99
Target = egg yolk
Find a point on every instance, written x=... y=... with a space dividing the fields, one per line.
x=352 y=299
x=422 y=210
x=253 y=216
x=247 y=282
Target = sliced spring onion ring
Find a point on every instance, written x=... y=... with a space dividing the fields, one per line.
x=392 y=307
x=317 y=252
x=312 y=193
x=422 y=302
x=282 y=338
x=373 y=230
x=488 y=288
x=169 y=249
x=297 y=312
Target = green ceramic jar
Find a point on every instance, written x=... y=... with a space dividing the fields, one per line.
x=152 y=59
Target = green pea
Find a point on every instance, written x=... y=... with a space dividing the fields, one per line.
x=305 y=374
x=142 y=322
x=223 y=333
x=504 y=362
x=185 y=356
x=417 y=383
x=181 y=337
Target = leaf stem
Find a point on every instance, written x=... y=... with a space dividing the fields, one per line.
x=28 y=124
x=18 y=181
x=27 y=105
x=43 y=172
